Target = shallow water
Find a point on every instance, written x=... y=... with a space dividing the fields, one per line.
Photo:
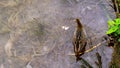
x=38 y=34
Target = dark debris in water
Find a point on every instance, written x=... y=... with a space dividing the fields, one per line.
x=99 y=62
x=86 y=63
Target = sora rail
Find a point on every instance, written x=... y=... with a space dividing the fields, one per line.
x=79 y=40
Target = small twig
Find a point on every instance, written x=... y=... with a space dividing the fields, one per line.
x=99 y=44
x=116 y=6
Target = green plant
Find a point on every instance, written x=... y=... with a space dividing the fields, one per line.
x=114 y=28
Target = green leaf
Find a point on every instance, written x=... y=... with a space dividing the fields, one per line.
x=118 y=32
x=119 y=40
x=111 y=23
x=112 y=29
x=117 y=21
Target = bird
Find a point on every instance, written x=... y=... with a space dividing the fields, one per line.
x=79 y=40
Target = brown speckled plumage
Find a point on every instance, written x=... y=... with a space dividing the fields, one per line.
x=79 y=40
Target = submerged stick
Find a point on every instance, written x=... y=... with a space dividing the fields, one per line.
x=86 y=63
x=99 y=63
